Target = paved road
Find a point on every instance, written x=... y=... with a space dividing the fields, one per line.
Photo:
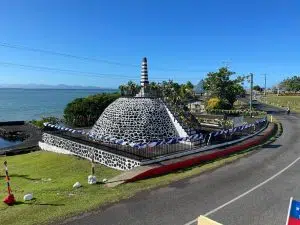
x=183 y=201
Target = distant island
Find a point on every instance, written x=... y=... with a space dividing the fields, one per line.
x=46 y=86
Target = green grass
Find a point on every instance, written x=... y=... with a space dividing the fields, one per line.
x=283 y=101
x=55 y=199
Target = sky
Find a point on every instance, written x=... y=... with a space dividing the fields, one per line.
x=182 y=40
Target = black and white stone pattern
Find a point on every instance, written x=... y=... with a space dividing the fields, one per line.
x=135 y=120
x=102 y=157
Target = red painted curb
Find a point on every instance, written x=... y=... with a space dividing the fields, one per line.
x=160 y=170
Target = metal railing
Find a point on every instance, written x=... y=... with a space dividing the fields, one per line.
x=149 y=153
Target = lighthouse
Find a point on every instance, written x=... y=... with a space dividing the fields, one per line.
x=144 y=79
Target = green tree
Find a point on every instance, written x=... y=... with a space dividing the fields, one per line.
x=257 y=88
x=84 y=112
x=129 y=89
x=49 y=119
x=291 y=84
x=218 y=84
x=186 y=92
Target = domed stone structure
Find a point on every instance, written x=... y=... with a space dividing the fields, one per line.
x=135 y=119
x=142 y=118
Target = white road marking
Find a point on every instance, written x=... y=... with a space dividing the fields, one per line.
x=247 y=192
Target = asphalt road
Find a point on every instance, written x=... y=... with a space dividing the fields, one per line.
x=183 y=201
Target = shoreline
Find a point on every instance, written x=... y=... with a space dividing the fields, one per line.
x=21 y=130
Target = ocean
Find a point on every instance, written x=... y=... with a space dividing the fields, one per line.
x=6 y=143
x=29 y=104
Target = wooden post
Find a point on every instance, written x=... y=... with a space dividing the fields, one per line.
x=93 y=163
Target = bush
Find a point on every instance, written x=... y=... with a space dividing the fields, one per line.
x=50 y=119
x=213 y=103
x=217 y=104
x=84 y=112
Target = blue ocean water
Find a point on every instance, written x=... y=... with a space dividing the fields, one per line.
x=6 y=143
x=28 y=104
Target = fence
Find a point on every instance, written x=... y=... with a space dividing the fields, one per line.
x=147 y=152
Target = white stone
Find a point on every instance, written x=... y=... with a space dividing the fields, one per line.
x=92 y=179
x=77 y=185
x=61 y=145
x=131 y=118
x=28 y=197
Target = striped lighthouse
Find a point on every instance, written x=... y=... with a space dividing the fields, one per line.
x=144 y=79
x=144 y=73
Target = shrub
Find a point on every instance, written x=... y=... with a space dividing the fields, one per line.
x=214 y=103
x=217 y=104
x=50 y=119
x=84 y=112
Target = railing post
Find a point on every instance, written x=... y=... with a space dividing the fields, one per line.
x=208 y=139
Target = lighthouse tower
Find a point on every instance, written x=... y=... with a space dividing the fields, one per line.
x=144 y=79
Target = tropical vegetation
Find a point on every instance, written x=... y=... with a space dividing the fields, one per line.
x=169 y=90
x=257 y=88
x=220 y=85
x=50 y=119
x=291 y=84
x=84 y=112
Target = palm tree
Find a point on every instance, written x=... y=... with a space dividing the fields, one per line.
x=122 y=89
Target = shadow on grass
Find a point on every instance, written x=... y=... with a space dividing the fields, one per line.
x=33 y=202
x=23 y=176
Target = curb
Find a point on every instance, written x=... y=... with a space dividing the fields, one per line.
x=205 y=157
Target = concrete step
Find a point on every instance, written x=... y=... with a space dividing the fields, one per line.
x=126 y=175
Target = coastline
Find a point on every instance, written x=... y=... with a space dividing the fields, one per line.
x=19 y=130
x=29 y=104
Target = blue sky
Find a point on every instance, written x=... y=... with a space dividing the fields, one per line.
x=183 y=40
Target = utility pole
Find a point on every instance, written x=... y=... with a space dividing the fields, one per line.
x=265 y=92
x=251 y=92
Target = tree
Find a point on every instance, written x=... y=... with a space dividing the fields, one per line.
x=218 y=84
x=129 y=89
x=291 y=84
x=155 y=89
x=186 y=92
x=84 y=112
x=258 y=88
x=50 y=119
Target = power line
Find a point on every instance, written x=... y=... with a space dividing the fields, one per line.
x=60 y=70
x=20 y=47
x=75 y=72
x=3 y=44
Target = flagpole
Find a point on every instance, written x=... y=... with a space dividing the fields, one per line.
x=288 y=214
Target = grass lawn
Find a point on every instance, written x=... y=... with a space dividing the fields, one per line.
x=50 y=177
x=283 y=101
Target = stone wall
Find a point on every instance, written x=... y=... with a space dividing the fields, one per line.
x=61 y=145
x=135 y=120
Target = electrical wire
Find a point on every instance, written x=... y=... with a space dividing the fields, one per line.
x=20 y=47
x=76 y=72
